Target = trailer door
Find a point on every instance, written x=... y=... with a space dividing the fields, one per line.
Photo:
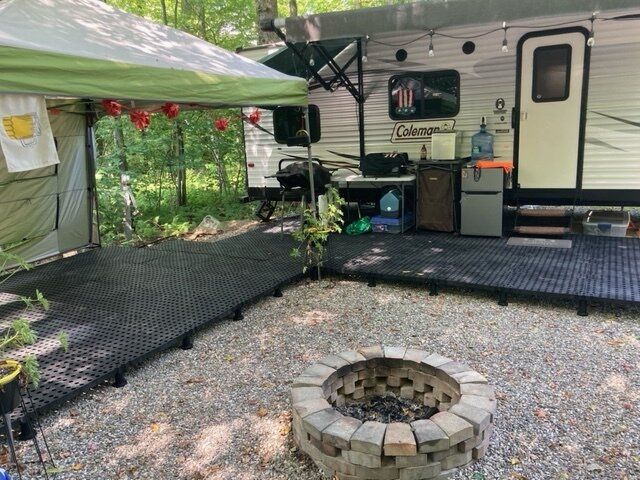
x=549 y=126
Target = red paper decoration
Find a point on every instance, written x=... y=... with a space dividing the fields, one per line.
x=140 y=119
x=255 y=116
x=112 y=108
x=171 y=110
x=222 y=124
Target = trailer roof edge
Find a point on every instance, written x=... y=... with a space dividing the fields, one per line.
x=433 y=14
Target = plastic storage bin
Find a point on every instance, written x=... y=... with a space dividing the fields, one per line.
x=382 y=224
x=444 y=145
x=606 y=223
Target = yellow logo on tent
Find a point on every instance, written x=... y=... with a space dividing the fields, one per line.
x=19 y=127
x=25 y=128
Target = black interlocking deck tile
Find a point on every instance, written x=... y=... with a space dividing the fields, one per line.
x=120 y=305
x=595 y=268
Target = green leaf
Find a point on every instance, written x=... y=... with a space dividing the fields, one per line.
x=31 y=368
x=42 y=300
x=63 y=338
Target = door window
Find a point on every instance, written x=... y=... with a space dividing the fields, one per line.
x=551 y=73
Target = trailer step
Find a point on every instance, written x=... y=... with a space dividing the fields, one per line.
x=545 y=212
x=541 y=230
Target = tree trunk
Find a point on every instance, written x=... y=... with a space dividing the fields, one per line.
x=267 y=9
x=221 y=170
x=175 y=14
x=293 y=8
x=118 y=138
x=202 y=18
x=165 y=19
x=181 y=172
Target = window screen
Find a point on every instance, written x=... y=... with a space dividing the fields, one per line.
x=551 y=73
x=424 y=95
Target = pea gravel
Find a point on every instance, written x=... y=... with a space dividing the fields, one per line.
x=568 y=387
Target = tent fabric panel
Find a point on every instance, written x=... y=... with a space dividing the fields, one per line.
x=28 y=218
x=54 y=74
x=74 y=222
x=74 y=226
x=94 y=29
x=38 y=211
x=37 y=248
x=28 y=189
x=8 y=177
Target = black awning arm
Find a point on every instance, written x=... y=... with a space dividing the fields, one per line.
x=300 y=56
x=338 y=71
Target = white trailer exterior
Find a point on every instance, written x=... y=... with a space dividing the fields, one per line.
x=582 y=147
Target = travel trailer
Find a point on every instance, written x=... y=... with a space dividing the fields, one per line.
x=556 y=81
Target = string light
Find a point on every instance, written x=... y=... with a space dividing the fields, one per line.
x=431 y=52
x=591 y=41
x=505 y=47
x=432 y=33
x=364 y=49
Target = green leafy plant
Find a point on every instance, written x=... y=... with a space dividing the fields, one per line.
x=20 y=333
x=315 y=230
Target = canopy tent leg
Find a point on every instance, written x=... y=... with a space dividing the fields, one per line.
x=312 y=189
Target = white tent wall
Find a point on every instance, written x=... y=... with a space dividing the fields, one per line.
x=47 y=211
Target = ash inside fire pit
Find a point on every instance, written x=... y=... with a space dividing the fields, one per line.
x=387 y=408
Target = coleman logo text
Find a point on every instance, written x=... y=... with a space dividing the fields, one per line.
x=419 y=131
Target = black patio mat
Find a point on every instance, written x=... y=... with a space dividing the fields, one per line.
x=120 y=305
x=603 y=269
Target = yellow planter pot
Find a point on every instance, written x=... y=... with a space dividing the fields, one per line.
x=10 y=364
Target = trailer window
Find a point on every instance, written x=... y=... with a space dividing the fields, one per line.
x=424 y=95
x=551 y=73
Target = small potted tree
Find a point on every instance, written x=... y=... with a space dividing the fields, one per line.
x=15 y=373
x=315 y=229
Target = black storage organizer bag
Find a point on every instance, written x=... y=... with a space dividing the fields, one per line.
x=384 y=164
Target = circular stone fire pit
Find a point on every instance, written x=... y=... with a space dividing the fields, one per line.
x=426 y=448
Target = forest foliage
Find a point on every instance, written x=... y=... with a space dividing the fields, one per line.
x=183 y=169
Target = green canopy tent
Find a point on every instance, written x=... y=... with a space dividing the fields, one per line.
x=90 y=51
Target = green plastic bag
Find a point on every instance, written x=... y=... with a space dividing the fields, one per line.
x=360 y=226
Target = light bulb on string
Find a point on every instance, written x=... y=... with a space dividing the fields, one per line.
x=591 y=41
x=431 y=52
x=505 y=46
x=365 y=58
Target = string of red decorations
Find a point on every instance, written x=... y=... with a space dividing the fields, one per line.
x=141 y=119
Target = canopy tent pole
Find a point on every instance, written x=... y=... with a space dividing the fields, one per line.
x=360 y=100
x=307 y=127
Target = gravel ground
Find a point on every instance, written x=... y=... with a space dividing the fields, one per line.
x=568 y=387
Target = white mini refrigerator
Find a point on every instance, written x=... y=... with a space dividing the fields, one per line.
x=481 y=202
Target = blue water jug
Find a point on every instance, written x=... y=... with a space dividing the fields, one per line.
x=482 y=144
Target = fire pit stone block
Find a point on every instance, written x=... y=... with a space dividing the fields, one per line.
x=369 y=438
x=455 y=427
x=431 y=448
x=340 y=432
x=399 y=440
x=430 y=437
